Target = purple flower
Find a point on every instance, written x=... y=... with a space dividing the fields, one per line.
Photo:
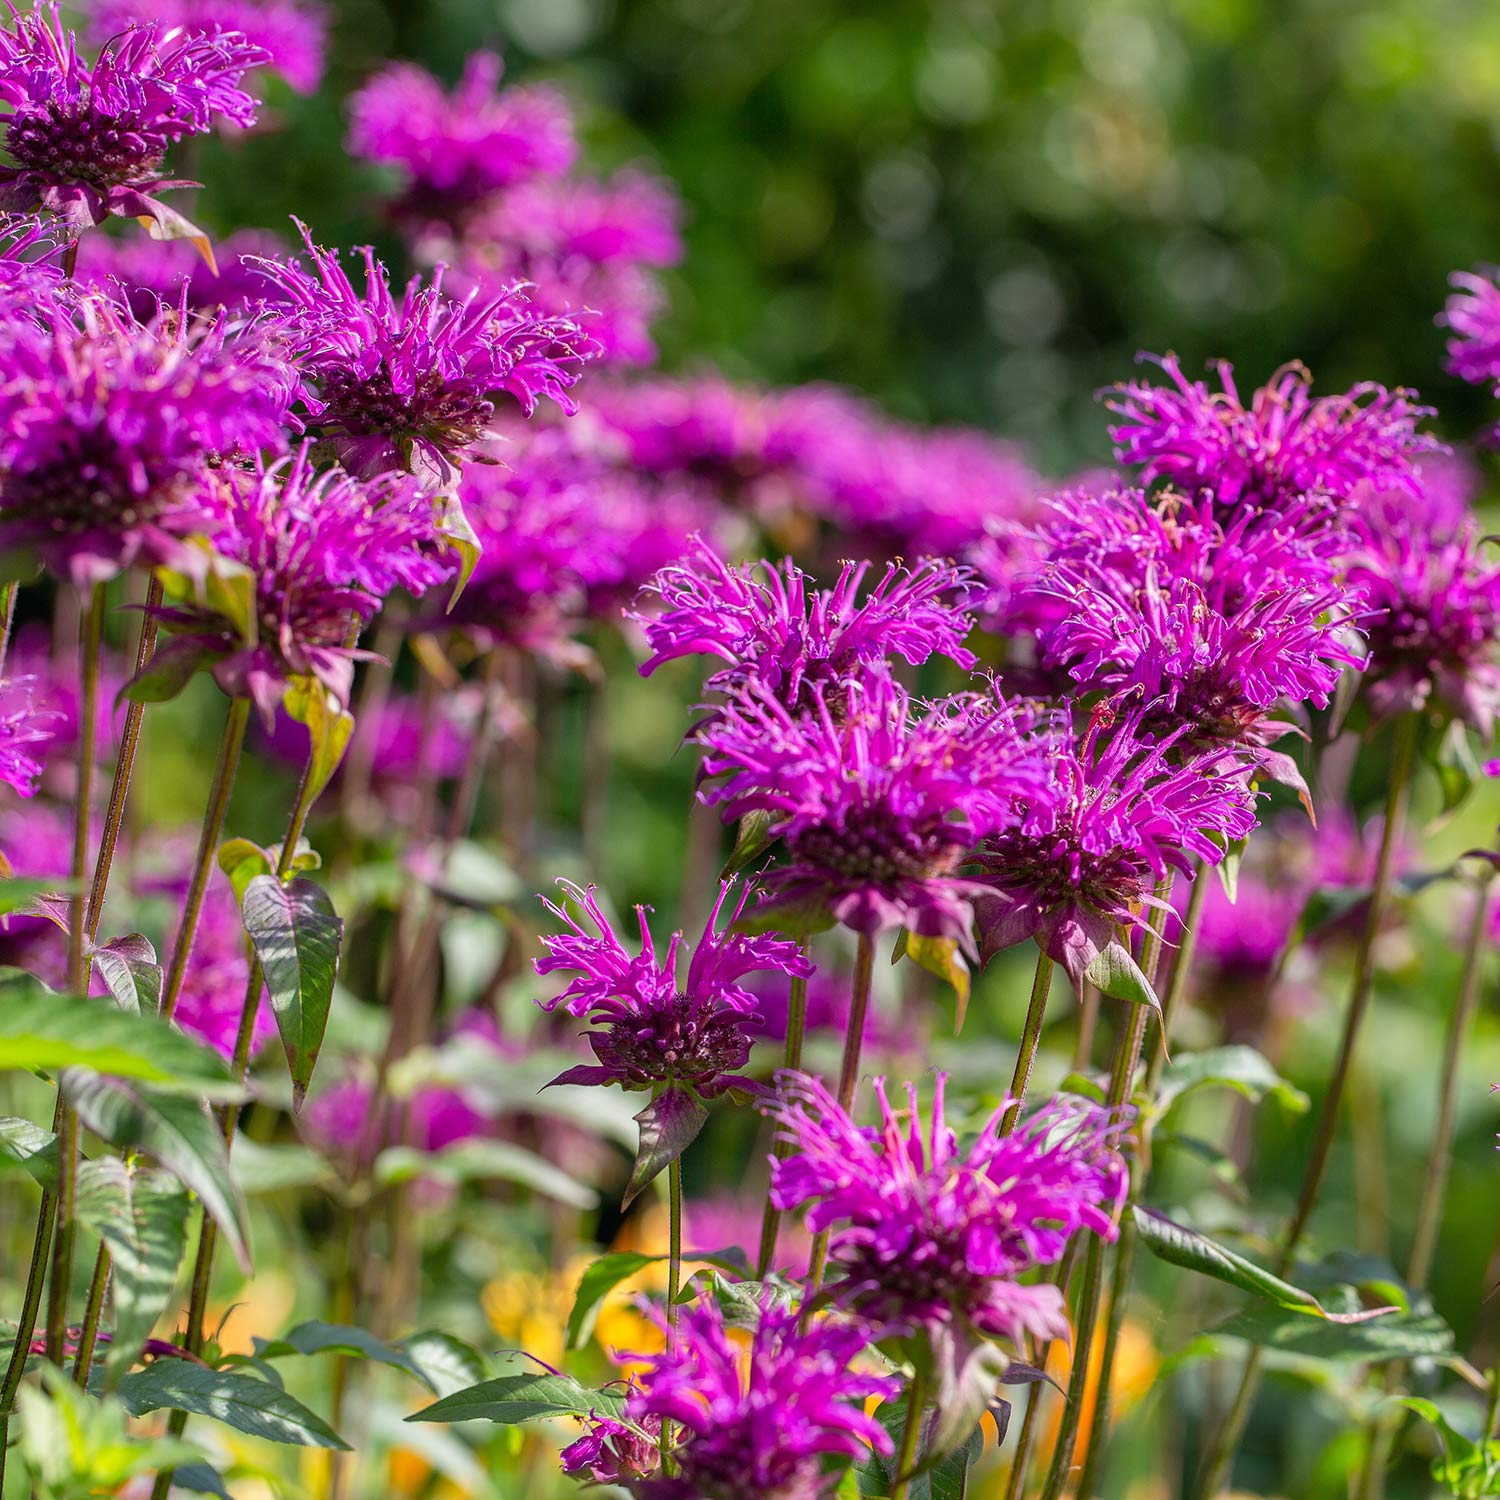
x=457 y=149
x=928 y=1240
x=1286 y=443
x=1077 y=868
x=88 y=140
x=1210 y=628
x=413 y=384
x=1433 y=621
x=323 y=550
x=107 y=429
x=29 y=279
x=150 y=272
x=292 y=33
x=26 y=734
x=877 y=808
x=576 y=245
x=1472 y=315
x=776 y=632
x=657 y=1032
x=762 y=1424
x=611 y=1452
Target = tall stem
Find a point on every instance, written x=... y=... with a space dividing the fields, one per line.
x=203 y=1264
x=796 y=1027
x=1140 y=1167
x=854 y=1040
x=674 y=1238
x=230 y=745
x=91 y=638
x=1434 y=1188
x=1216 y=1464
x=7 y=618
x=911 y=1436
x=1031 y=1034
x=1127 y=1060
x=1020 y=1465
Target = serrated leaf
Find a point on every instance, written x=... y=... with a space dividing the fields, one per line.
x=43 y=1031
x=239 y=1401
x=328 y=726
x=941 y=957
x=1242 y=1069
x=179 y=1133
x=297 y=935
x=1180 y=1246
x=141 y=1214
x=1114 y=972
x=128 y=966
x=481 y=1160
x=1467 y=1470
x=26 y=1145
x=522 y=1398
x=669 y=1124
x=316 y=1337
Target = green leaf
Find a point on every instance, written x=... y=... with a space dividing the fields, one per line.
x=454 y=526
x=1114 y=972
x=1196 y=1252
x=522 y=1398
x=596 y=1283
x=241 y=860
x=1452 y=758
x=29 y=1147
x=752 y=838
x=602 y=1276
x=669 y=1125
x=337 y=1338
x=142 y=1215
x=179 y=1133
x=173 y=665
x=43 y=1031
x=794 y=918
x=75 y=1445
x=273 y=1168
x=447 y=1364
x=1467 y=1470
x=297 y=936
x=481 y=1160
x=128 y=966
x=1229 y=867
x=1242 y=1069
x=1394 y=1336
x=200 y=1479
x=328 y=726
x=939 y=956
x=239 y=1401
x=17 y=895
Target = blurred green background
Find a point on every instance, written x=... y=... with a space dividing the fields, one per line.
x=979 y=212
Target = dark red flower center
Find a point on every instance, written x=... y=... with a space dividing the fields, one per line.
x=82 y=148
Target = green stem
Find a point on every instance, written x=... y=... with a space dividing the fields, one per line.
x=1031 y=1034
x=854 y=1039
x=796 y=1027
x=1021 y=1463
x=203 y=1264
x=1140 y=1167
x=674 y=1238
x=1434 y=1188
x=911 y=1436
x=1215 y=1470
x=7 y=618
x=89 y=1333
x=1122 y=1078
x=91 y=639
x=230 y=745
